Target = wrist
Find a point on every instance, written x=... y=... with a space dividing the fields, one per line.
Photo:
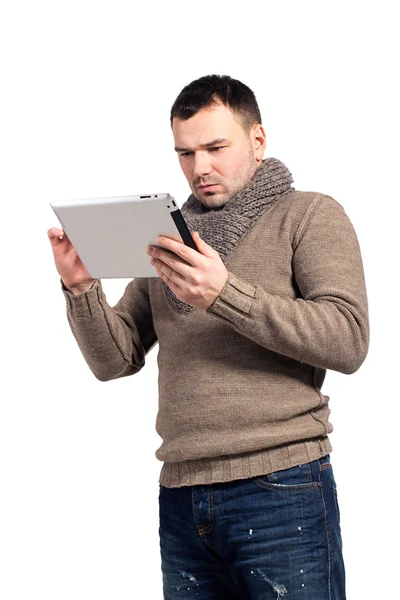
x=80 y=288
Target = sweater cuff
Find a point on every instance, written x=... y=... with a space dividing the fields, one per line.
x=85 y=304
x=234 y=301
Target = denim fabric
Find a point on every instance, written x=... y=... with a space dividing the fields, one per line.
x=267 y=537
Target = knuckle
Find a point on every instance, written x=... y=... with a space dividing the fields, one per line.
x=196 y=280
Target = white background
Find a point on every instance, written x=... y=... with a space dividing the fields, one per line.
x=87 y=91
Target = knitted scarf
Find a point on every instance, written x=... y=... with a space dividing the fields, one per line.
x=222 y=228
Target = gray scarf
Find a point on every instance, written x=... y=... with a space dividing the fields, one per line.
x=222 y=228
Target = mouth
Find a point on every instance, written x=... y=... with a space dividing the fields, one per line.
x=206 y=187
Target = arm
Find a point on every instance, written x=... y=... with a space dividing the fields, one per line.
x=113 y=340
x=328 y=327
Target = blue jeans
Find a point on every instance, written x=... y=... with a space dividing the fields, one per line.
x=264 y=538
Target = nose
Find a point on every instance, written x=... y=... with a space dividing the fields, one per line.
x=201 y=165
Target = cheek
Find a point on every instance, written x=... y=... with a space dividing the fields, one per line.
x=238 y=159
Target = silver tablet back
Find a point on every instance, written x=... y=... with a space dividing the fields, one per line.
x=111 y=234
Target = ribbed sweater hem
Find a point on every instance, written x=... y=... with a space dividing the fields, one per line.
x=243 y=466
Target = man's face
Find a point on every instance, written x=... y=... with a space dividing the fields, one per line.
x=228 y=164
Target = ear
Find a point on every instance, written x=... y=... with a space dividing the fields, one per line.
x=259 y=141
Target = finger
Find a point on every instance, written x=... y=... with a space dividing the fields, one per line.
x=55 y=235
x=203 y=247
x=182 y=268
x=54 y=231
x=168 y=269
x=171 y=283
x=185 y=252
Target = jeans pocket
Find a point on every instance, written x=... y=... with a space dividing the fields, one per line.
x=299 y=477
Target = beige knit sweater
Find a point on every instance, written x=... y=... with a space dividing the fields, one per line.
x=240 y=384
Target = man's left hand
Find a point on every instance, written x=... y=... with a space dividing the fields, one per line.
x=195 y=277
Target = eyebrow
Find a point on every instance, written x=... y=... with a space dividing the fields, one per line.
x=217 y=141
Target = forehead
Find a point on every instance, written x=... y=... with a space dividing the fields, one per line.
x=207 y=124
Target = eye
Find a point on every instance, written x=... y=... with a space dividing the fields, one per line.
x=211 y=150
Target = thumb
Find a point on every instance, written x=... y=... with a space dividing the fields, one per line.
x=202 y=246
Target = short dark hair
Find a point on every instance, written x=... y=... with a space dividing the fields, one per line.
x=207 y=90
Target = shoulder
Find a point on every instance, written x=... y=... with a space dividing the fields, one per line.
x=300 y=207
x=305 y=201
x=298 y=210
x=296 y=206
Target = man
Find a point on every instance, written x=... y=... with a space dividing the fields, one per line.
x=247 y=326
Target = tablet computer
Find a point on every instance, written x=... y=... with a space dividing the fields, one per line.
x=111 y=235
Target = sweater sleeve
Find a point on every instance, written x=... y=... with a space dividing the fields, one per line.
x=113 y=340
x=328 y=326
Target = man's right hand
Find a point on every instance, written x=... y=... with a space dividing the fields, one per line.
x=68 y=264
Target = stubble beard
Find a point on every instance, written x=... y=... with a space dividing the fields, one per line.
x=216 y=200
